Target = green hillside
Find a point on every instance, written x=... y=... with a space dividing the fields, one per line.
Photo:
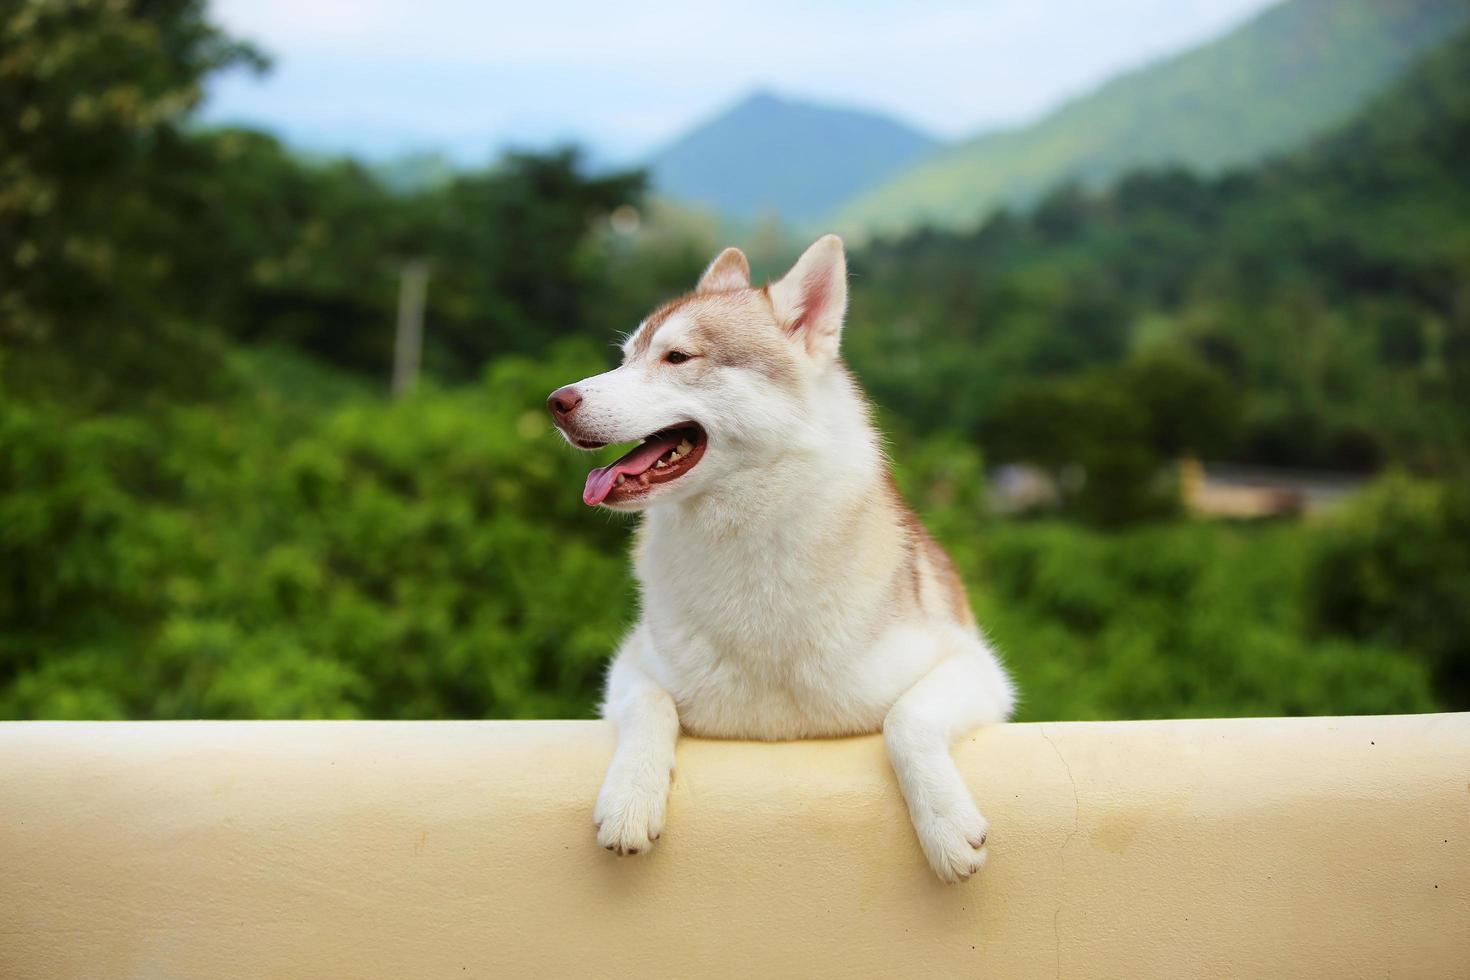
x=1320 y=296
x=1290 y=74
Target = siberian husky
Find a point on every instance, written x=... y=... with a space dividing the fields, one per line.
x=787 y=590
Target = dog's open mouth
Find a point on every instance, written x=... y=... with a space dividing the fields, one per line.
x=666 y=455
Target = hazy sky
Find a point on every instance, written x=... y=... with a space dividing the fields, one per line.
x=381 y=77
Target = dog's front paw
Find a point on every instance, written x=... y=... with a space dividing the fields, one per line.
x=952 y=833
x=631 y=807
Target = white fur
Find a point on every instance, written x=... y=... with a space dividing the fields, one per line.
x=771 y=608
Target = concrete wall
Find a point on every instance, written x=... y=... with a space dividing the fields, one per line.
x=1333 y=847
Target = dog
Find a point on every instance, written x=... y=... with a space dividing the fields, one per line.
x=787 y=590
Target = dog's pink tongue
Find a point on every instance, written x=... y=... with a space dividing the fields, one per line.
x=639 y=459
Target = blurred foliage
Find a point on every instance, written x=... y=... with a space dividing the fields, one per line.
x=1394 y=568
x=309 y=254
x=131 y=244
x=1176 y=620
x=432 y=558
x=208 y=508
x=1312 y=312
x=424 y=559
x=94 y=95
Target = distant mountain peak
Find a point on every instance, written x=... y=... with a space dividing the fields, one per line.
x=761 y=98
x=769 y=152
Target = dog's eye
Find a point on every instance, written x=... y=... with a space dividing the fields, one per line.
x=676 y=357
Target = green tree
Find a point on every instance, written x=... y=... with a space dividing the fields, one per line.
x=262 y=558
x=1095 y=439
x=93 y=96
x=1395 y=570
x=1191 y=408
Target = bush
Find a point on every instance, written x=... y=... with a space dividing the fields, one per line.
x=293 y=556
x=424 y=559
x=1174 y=620
x=1394 y=569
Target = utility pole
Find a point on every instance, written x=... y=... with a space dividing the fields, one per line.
x=408 y=342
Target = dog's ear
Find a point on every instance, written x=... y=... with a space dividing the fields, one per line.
x=728 y=271
x=811 y=300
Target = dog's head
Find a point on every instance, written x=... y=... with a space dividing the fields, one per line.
x=718 y=382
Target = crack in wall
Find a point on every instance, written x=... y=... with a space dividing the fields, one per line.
x=1076 y=825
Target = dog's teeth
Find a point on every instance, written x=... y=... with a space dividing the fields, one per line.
x=660 y=465
x=673 y=455
x=622 y=478
x=684 y=446
x=643 y=478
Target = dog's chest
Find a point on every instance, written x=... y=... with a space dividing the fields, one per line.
x=751 y=643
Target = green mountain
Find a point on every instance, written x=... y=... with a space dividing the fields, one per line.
x=1290 y=74
x=769 y=154
x=1322 y=291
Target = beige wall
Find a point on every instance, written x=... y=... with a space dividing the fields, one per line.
x=1335 y=847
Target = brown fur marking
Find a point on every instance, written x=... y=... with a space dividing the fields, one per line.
x=949 y=576
x=644 y=337
x=929 y=560
x=731 y=328
x=762 y=350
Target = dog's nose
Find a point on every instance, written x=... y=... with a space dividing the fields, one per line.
x=563 y=402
